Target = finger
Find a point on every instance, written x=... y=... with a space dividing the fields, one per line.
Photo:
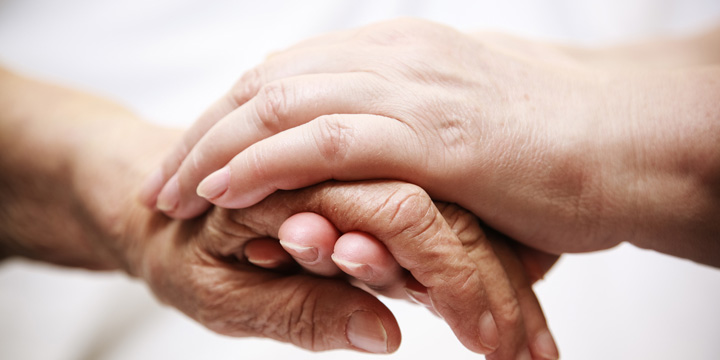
x=267 y=254
x=313 y=313
x=541 y=342
x=365 y=258
x=301 y=60
x=340 y=147
x=309 y=238
x=278 y=106
x=405 y=219
x=502 y=318
x=536 y=262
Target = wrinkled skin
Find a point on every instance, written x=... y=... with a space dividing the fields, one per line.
x=204 y=273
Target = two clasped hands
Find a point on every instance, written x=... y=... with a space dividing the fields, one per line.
x=412 y=161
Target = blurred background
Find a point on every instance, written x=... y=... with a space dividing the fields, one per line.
x=169 y=59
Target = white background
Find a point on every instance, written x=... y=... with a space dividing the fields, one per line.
x=168 y=59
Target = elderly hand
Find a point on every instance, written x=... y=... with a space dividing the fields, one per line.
x=476 y=283
x=551 y=149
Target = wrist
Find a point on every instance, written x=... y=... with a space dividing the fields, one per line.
x=68 y=169
x=108 y=180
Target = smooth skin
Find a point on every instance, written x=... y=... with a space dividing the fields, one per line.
x=69 y=169
x=563 y=149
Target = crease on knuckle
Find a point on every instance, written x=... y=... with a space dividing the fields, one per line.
x=294 y=320
x=462 y=223
x=256 y=166
x=410 y=217
x=333 y=138
x=508 y=313
x=408 y=210
x=271 y=105
x=247 y=86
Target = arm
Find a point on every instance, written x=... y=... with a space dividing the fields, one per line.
x=71 y=166
x=560 y=154
x=57 y=161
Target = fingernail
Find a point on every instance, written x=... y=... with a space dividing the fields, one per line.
x=362 y=272
x=524 y=355
x=151 y=187
x=545 y=346
x=307 y=254
x=265 y=263
x=488 y=331
x=365 y=331
x=215 y=184
x=169 y=196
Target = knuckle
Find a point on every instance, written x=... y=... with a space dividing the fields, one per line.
x=256 y=165
x=196 y=160
x=462 y=223
x=248 y=85
x=409 y=210
x=509 y=313
x=333 y=138
x=294 y=320
x=271 y=105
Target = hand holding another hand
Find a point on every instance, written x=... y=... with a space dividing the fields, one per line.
x=558 y=152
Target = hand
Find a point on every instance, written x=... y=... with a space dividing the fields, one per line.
x=536 y=140
x=212 y=252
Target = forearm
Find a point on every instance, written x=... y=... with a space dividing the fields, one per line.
x=63 y=179
x=663 y=179
x=652 y=171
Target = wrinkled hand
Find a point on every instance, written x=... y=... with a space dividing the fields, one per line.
x=479 y=287
x=495 y=126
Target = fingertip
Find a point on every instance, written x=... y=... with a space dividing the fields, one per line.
x=365 y=331
x=489 y=332
x=214 y=185
x=231 y=197
x=309 y=229
x=309 y=238
x=544 y=346
x=362 y=272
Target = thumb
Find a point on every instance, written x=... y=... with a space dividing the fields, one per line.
x=313 y=313
x=321 y=314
